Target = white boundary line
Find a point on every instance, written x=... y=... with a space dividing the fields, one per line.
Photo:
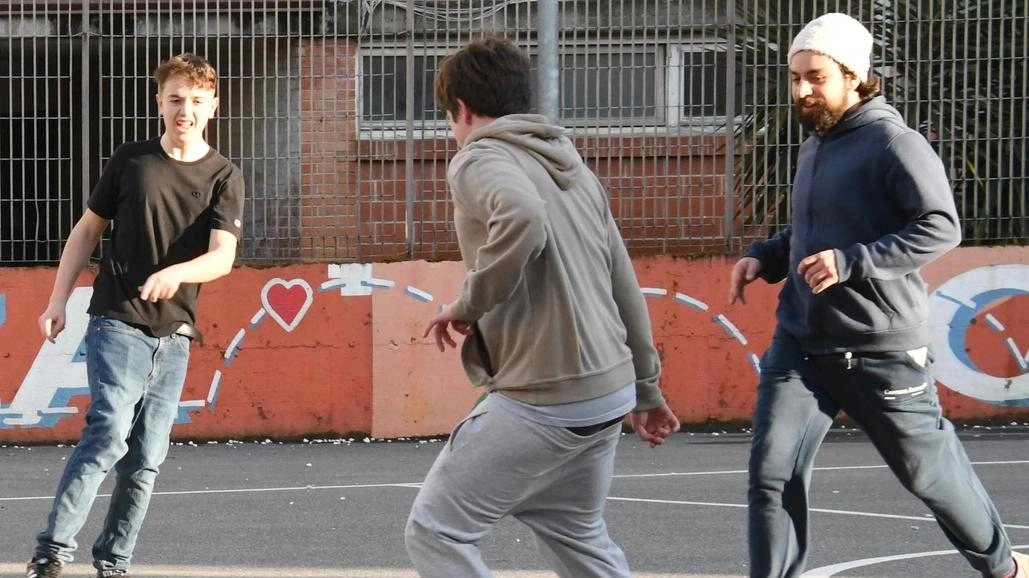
x=251 y=572
x=926 y=518
x=168 y=571
x=817 y=469
x=243 y=490
x=416 y=485
x=829 y=571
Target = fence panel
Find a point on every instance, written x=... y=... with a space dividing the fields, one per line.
x=681 y=107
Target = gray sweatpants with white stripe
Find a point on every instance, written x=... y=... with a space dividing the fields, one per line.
x=498 y=464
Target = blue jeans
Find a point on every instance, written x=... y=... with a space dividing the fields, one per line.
x=892 y=398
x=135 y=382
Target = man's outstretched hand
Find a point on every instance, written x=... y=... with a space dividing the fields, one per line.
x=439 y=326
x=743 y=272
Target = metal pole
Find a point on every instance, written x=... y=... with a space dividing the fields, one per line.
x=87 y=177
x=409 y=141
x=548 y=84
x=84 y=122
x=730 y=131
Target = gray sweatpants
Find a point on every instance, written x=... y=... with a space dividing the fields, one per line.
x=495 y=464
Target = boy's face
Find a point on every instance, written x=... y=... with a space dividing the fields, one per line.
x=185 y=109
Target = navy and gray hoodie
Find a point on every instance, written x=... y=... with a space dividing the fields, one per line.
x=873 y=190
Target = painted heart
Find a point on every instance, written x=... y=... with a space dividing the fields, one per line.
x=287 y=301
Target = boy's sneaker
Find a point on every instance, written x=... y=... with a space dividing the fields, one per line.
x=44 y=568
x=1023 y=564
x=112 y=574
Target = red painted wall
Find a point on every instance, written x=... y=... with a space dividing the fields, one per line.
x=279 y=362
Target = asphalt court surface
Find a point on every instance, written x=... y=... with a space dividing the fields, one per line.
x=334 y=508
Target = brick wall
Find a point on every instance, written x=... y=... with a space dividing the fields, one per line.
x=667 y=191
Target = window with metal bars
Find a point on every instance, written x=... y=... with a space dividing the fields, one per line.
x=613 y=85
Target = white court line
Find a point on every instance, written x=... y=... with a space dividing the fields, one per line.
x=286 y=572
x=743 y=506
x=829 y=571
x=416 y=485
x=253 y=572
x=676 y=502
x=244 y=490
x=675 y=474
x=419 y=484
x=817 y=469
x=819 y=510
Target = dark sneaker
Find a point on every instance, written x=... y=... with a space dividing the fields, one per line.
x=44 y=568
x=112 y=574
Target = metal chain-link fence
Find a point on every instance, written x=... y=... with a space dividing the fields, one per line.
x=680 y=106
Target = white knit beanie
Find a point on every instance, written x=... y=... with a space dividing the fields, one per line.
x=839 y=37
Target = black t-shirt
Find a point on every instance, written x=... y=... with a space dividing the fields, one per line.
x=163 y=212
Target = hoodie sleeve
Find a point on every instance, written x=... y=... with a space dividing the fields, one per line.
x=917 y=180
x=636 y=318
x=491 y=188
x=774 y=255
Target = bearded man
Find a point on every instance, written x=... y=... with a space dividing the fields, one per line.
x=871 y=207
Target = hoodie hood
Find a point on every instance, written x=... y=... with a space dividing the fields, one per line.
x=867 y=112
x=546 y=143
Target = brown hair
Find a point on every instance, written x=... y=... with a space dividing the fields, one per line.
x=867 y=89
x=490 y=75
x=191 y=67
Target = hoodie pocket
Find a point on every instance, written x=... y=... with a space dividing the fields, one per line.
x=849 y=309
x=906 y=299
x=884 y=303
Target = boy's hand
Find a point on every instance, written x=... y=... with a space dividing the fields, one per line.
x=654 y=425
x=51 y=322
x=161 y=285
x=439 y=327
x=743 y=272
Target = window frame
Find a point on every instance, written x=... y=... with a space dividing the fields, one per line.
x=658 y=121
x=668 y=91
x=675 y=99
x=377 y=129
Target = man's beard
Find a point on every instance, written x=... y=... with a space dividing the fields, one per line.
x=821 y=119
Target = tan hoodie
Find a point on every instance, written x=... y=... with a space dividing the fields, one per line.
x=558 y=312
